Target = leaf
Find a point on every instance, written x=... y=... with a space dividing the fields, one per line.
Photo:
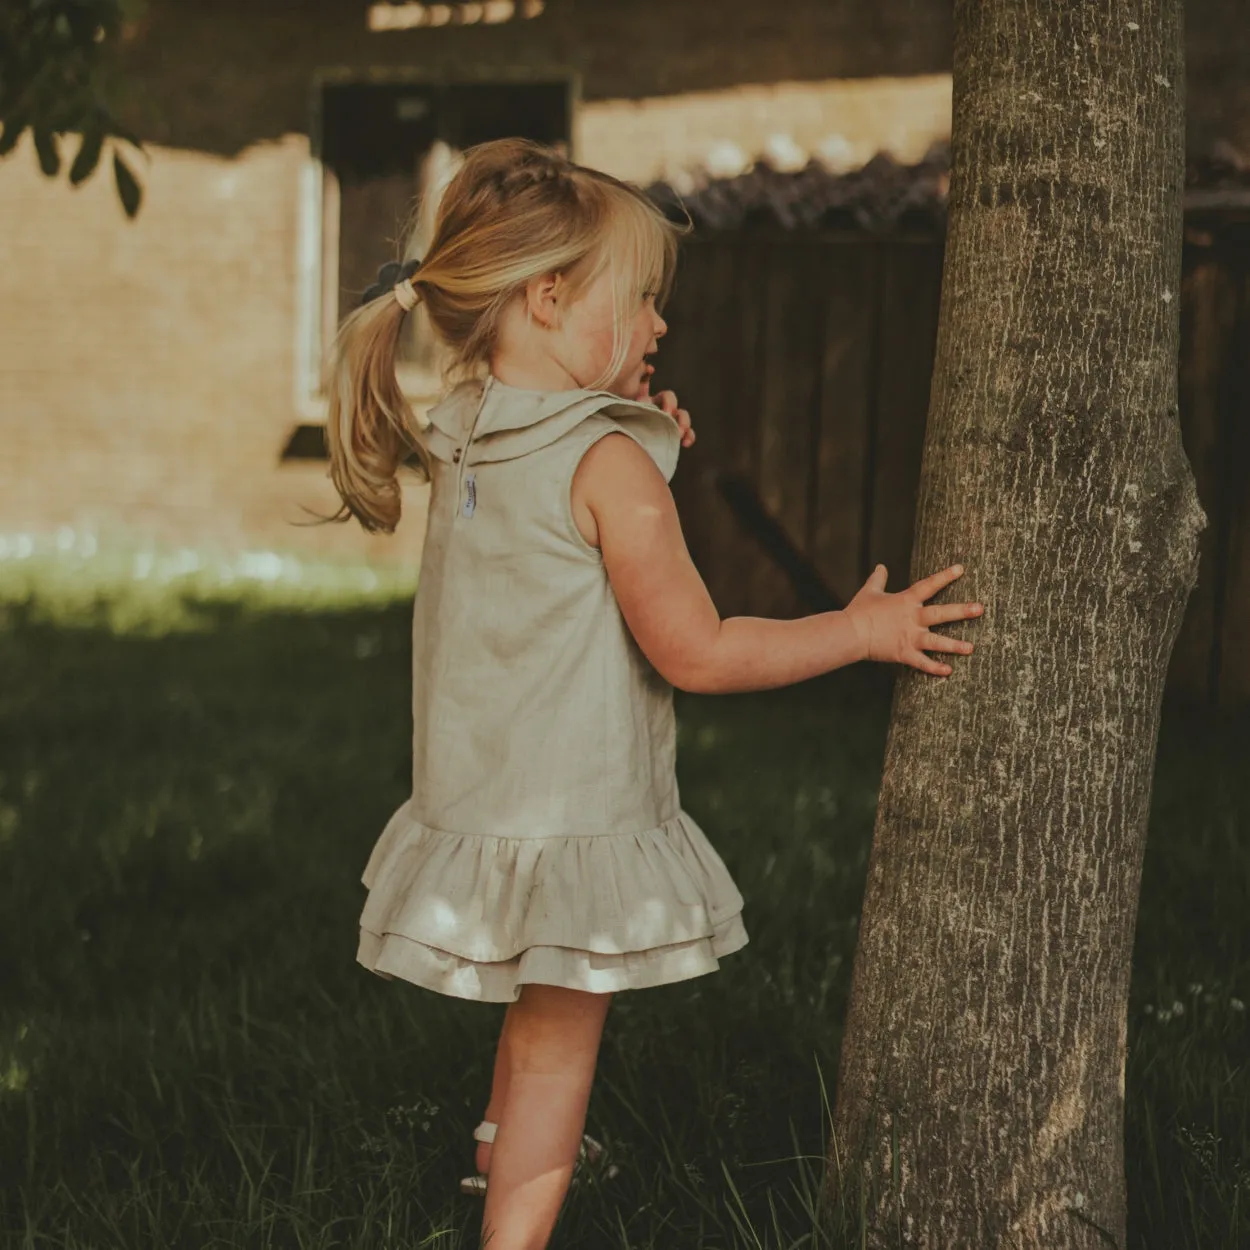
x=14 y=127
x=88 y=156
x=49 y=157
x=127 y=186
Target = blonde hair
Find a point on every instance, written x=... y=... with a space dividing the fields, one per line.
x=514 y=211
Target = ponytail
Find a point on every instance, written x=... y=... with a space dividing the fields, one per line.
x=370 y=425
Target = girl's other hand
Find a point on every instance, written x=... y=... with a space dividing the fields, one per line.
x=666 y=401
x=895 y=628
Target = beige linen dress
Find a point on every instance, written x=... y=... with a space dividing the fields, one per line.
x=544 y=840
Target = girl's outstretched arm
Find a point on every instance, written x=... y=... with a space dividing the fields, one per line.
x=622 y=505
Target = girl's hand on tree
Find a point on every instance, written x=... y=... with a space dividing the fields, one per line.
x=667 y=402
x=896 y=628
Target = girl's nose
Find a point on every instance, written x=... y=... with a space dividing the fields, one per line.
x=661 y=326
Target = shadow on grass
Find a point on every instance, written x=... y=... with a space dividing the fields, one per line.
x=189 y=1053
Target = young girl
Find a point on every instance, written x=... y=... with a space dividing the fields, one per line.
x=543 y=859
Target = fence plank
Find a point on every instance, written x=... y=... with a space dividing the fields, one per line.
x=678 y=369
x=694 y=361
x=1234 y=622
x=796 y=296
x=736 y=354
x=846 y=382
x=910 y=282
x=764 y=589
x=1208 y=306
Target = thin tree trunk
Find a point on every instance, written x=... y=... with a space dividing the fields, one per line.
x=981 y=1090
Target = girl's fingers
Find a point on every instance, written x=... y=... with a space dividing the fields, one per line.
x=926 y=665
x=940 y=642
x=667 y=400
x=942 y=613
x=682 y=417
x=929 y=586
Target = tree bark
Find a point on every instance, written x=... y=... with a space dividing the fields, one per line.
x=981 y=1088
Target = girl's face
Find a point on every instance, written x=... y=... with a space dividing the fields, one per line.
x=585 y=338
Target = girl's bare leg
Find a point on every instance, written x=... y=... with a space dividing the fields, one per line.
x=551 y=1048
x=498 y=1092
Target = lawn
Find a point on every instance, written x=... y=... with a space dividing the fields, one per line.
x=190 y=782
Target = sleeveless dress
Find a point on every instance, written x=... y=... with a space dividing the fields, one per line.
x=544 y=840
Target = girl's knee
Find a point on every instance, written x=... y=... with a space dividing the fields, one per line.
x=552 y=1028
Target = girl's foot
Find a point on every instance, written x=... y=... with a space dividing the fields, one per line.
x=591 y=1158
x=484 y=1134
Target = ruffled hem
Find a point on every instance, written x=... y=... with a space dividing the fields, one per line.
x=392 y=956
x=478 y=916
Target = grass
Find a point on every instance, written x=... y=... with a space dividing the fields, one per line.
x=191 y=778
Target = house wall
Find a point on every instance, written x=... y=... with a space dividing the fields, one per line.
x=149 y=370
x=146 y=368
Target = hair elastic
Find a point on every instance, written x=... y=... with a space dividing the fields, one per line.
x=406 y=295
x=398 y=278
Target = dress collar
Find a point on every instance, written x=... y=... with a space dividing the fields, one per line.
x=500 y=422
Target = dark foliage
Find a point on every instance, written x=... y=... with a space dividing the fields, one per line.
x=55 y=58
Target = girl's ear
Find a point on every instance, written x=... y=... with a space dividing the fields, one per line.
x=542 y=299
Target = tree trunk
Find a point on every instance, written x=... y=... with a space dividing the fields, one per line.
x=981 y=1089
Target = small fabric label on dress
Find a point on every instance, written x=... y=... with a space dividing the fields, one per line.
x=470 y=496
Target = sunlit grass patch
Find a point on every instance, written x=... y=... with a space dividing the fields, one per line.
x=70 y=578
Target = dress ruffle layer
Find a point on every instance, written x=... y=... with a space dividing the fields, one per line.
x=478 y=917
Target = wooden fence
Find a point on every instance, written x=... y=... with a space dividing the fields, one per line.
x=806 y=360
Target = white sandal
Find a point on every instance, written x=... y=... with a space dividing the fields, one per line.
x=475 y=1186
x=590 y=1154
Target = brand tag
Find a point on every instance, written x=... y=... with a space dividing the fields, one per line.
x=470 y=497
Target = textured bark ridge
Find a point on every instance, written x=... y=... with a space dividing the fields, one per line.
x=982 y=1080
